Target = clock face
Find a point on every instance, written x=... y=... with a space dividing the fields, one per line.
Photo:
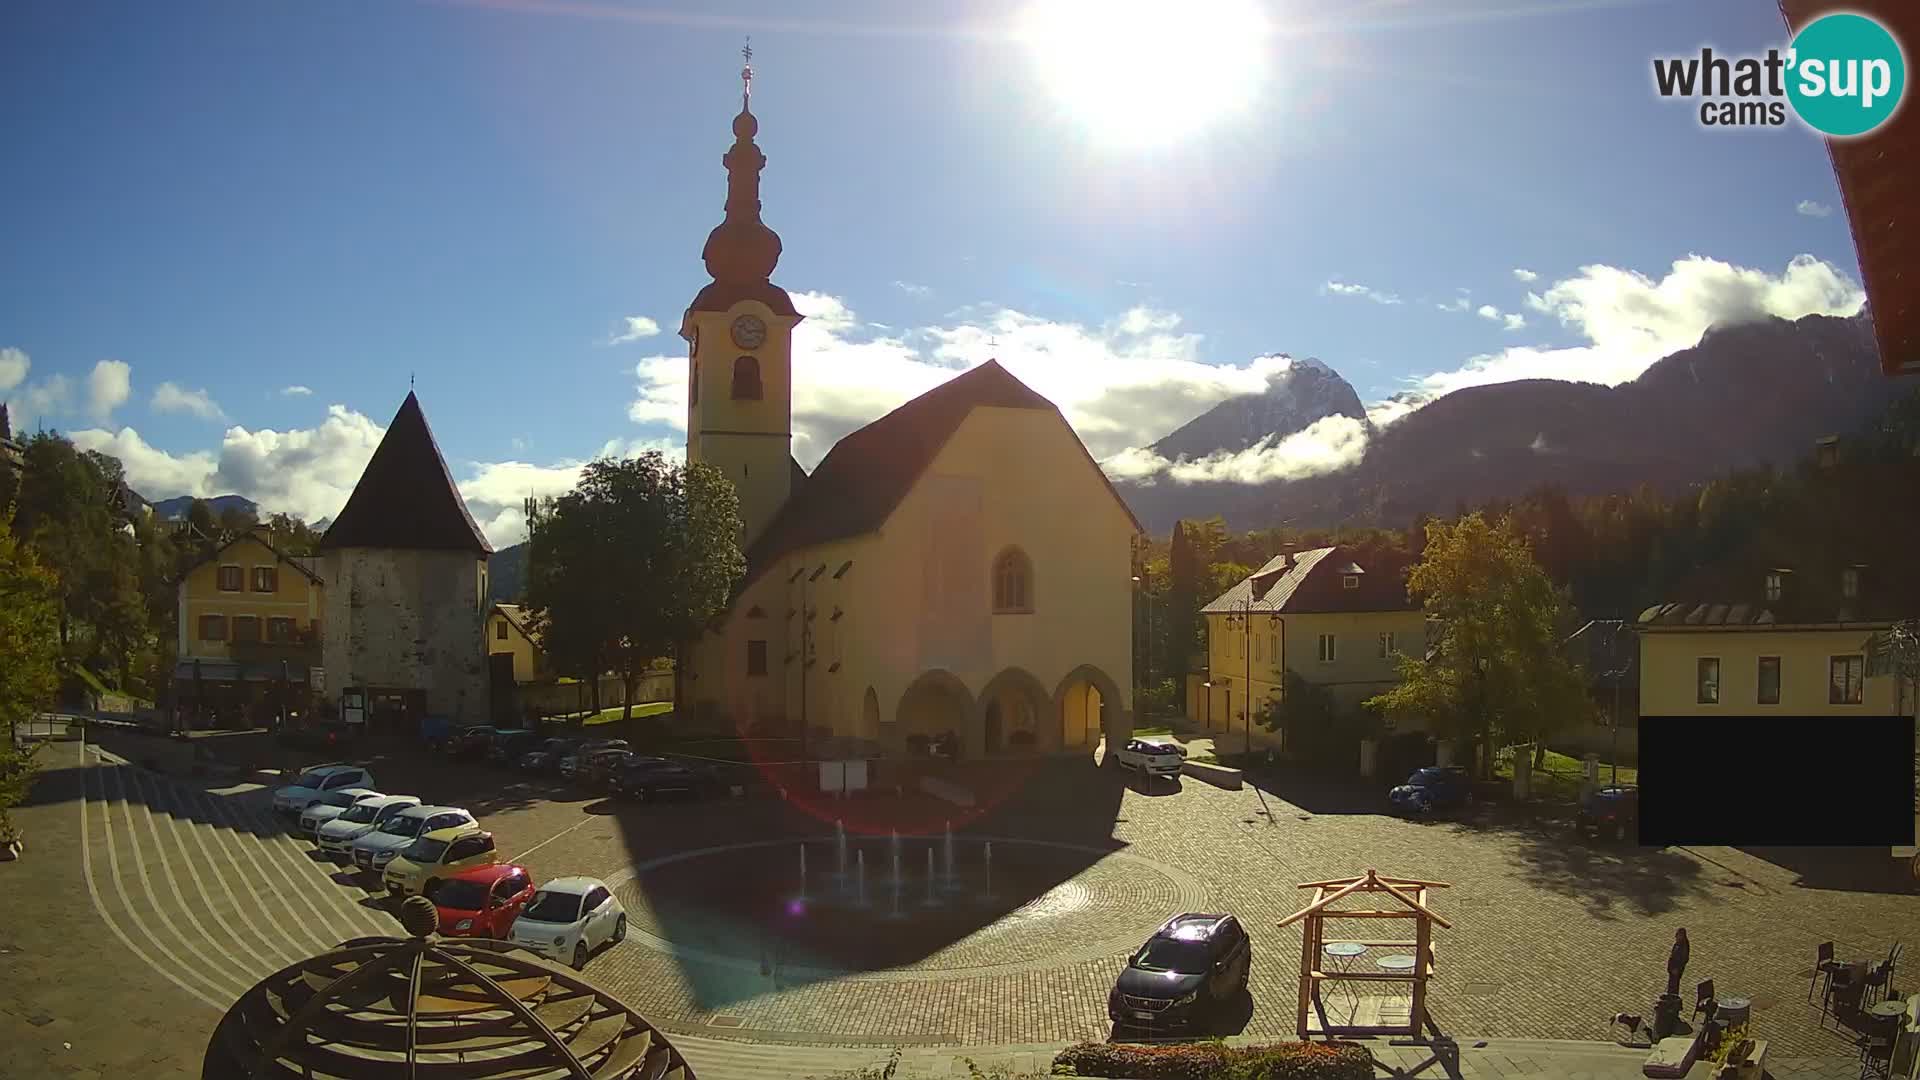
x=749 y=332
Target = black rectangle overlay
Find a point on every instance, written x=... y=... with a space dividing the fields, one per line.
x=1810 y=781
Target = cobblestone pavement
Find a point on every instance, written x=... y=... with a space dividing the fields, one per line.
x=185 y=894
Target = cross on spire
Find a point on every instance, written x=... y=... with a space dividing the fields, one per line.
x=746 y=70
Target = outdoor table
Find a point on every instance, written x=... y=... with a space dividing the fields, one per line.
x=1341 y=953
x=1886 y=1012
x=1395 y=963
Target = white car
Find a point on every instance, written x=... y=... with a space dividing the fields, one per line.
x=373 y=851
x=568 y=919
x=1152 y=756
x=336 y=837
x=289 y=801
x=332 y=805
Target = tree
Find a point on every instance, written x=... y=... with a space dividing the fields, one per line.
x=1314 y=726
x=292 y=535
x=1500 y=669
x=29 y=629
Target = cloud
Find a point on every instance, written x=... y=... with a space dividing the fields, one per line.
x=911 y=289
x=1809 y=208
x=1345 y=288
x=296 y=391
x=108 y=387
x=171 y=397
x=1327 y=444
x=637 y=327
x=1508 y=319
x=14 y=366
x=39 y=399
x=1525 y=275
x=1458 y=303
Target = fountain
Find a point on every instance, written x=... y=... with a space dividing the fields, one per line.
x=896 y=874
x=930 y=899
x=951 y=880
x=986 y=873
x=840 y=843
x=803 y=873
x=860 y=880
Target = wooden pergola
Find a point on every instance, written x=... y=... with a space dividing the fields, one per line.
x=1409 y=898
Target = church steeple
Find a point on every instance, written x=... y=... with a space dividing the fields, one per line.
x=742 y=251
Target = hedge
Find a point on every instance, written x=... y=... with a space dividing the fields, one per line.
x=1217 y=1061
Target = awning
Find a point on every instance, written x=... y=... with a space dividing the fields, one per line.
x=209 y=671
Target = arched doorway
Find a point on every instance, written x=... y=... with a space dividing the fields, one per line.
x=935 y=705
x=1090 y=707
x=870 y=715
x=1012 y=706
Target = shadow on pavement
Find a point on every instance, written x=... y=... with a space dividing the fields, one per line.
x=1868 y=870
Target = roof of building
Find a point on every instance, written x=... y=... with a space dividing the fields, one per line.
x=1609 y=652
x=866 y=475
x=517 y=616
x=1311 y=582
x=1875 y=172
x=261 y=535
x=407 y=498
x=1735 y=616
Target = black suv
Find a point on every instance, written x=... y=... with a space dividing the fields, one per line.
x=469 y=742
x=649 y=778
x=507 y=747
x=1191 y=965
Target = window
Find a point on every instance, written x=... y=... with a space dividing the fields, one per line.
x=1707 y=681
x=693 y=384
x=505 y=889
x=597 y=897
x=500 y=630
x=246 y=629
x=746 y=379
x=213 y=628
x=232 y=579
x=266 y=579
x=1768 y=692
x=1848 y=685
x=1012 y=582
x=1257 y=646
x=280 y=630
x=1349 y=581
x=1773 y=587
x=1386 y=645
x=756 y=657
x=1850 y=583
x=1327 y=649
x=1273 y=648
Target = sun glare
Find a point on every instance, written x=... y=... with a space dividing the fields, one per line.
x=1145 y=72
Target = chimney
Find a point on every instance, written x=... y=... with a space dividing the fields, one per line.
x=1826 y=451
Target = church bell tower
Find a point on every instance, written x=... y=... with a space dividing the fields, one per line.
x=739 y=333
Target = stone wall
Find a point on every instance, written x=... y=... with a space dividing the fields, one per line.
x=408 y=620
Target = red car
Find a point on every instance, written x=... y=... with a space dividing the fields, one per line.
x=481 y=902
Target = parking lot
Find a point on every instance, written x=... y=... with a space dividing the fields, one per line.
x=199 y=893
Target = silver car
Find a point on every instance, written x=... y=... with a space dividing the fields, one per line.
x=373 y=851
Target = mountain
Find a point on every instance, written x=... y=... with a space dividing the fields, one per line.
x=1746 y=394
x=1307 y=391
x=507 y=575
x=175 y=509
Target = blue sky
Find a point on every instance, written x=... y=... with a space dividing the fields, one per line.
x=238 y=198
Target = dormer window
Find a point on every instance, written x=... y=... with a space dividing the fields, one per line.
x=746 y=378
x=1350 y=581
x=1850 y=583
x=1775 y=586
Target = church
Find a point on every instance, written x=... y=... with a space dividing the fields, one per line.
x=957 y=573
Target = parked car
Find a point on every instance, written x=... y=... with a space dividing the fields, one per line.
x=1439 y=787
x=469 y=742
x=1151 y=757
x=508 y=746
x=482 y=901
x=1192 y=964
x=546 y=757
x=372 y=852
x=570 y=764
x=314 y=783
x=569 y=918
x=336 y=837
x=1611 y=811
x=460 y=847
x=648 y=778
x=331 y=805
x=596 y=768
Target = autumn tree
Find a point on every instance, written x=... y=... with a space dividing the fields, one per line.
x=1499 y=670
x=29 y=640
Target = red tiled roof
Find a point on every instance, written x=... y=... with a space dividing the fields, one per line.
x=1309 y=582
x=406 y=498
x=860 y=481
x=1876 y=175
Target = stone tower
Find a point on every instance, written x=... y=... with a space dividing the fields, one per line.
x=406 y=599
x=739 y=333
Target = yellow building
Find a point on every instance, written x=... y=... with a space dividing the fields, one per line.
x=1318 y=613
x=249 y=616
x=1741 y=660
x=508 y=633
x=958 y=567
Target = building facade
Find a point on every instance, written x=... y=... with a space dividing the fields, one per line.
x=956 y=573
x=250 y=622
x=1739 y=660
x=406 y=601
x=507 y=633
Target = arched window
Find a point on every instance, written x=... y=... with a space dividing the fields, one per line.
x=1012 y=582
x=746 y=379
x=693 y=382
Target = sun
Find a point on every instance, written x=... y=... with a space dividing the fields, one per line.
x=1148 y=72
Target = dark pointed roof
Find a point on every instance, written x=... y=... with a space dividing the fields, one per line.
x=406 y=498
x=860 y=481
x=742 y=251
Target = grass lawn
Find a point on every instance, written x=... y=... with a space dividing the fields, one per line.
x=608 y=716
x=1559 y=778
x=1144 y=731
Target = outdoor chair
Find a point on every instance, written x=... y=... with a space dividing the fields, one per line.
x=1824 y=967
x=1703 y=999
x=1875 y=988
x=1876 y=1055
x=1844 y=998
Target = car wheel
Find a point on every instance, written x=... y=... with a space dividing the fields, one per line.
x=620 y=930
x=580 y=956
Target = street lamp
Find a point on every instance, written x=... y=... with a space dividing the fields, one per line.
x=1618 y=676
x=1246 y=652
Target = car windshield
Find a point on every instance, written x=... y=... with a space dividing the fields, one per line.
x=458 y=895
x=339 y=798
x=403 y=826
x=311 y=779
x=553 y=907
x=426 y=851
x=364 y=814
x=1427 y=778
x=1172 y=954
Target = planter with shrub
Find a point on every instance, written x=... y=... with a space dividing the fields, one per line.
x=1195 y=1061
